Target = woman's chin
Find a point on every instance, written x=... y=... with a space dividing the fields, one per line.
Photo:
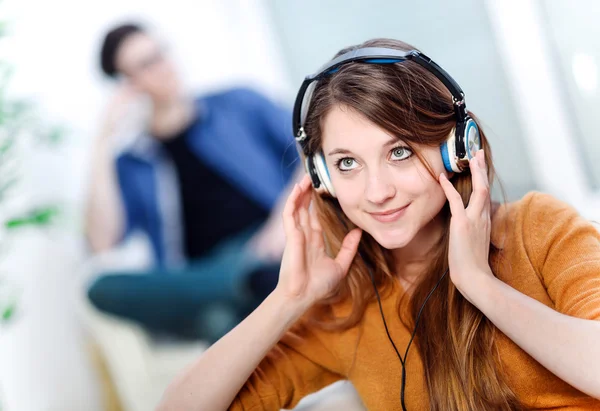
x=391 y=241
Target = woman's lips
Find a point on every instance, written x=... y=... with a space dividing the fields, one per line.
x=389 y=216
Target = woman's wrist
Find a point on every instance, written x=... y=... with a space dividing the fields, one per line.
x=291 y=308
x=479 y=289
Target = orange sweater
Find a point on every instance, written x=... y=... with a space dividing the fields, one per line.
x=553 y=256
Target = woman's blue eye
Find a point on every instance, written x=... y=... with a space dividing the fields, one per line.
x=401 y=153
x=346 y=164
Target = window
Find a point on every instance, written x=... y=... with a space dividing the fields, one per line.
x=574 y=36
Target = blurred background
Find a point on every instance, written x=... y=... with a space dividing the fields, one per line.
x=529 y=69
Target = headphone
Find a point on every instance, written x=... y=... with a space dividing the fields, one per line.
x=456 y=151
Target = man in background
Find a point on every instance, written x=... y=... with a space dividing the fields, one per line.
x=205 y=182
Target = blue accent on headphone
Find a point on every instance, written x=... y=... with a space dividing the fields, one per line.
x=383 y=61
x=445 y=156
x=326 y=169
x=373 y=61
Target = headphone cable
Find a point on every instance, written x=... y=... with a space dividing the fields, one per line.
x=387 y=331
x=402 y=361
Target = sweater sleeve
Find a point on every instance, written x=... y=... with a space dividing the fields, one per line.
x=300 y=364
x=565 y=251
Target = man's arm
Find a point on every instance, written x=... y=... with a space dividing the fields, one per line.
x=105 y=215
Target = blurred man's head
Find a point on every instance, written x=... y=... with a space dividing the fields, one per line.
x=129 y=51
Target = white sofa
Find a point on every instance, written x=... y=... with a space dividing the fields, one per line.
x=141 y=368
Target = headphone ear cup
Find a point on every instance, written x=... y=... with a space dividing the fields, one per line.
x=448 y=151
x=323 y=173
x=311 y=170
x=472 y=138
x=469 y=141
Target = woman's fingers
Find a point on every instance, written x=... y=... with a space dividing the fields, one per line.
x=304 y=222
x=304 y=203
x=289 y=212
x=291 y=216
x=348 y=249
x=316 y=231
x=454 y=199
x=479 y=202
x=306 y=187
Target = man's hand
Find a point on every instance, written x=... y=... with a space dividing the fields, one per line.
x=269 y=241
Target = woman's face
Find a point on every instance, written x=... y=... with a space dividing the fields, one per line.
x=380 y=184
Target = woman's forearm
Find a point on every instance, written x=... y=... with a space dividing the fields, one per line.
x=214 y=379
x=567 y=346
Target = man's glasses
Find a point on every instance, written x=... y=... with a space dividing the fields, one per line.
x=148 y=62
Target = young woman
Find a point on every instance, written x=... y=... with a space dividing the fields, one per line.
x=402 y=244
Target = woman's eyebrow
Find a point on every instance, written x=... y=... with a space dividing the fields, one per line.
x=390 y=142
x=339 y=151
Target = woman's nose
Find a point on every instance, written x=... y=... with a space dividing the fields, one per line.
x=379 y=189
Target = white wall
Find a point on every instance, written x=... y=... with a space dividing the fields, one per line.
x=552 y=135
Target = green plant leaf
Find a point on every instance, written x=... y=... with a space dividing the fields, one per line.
x=6 y=72
x=6 y=145
x=52 y=136
x=8 y=312
x=38 y=217
x=56 y=135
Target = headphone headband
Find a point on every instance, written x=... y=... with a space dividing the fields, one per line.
x=379 y=55
x=456 y=151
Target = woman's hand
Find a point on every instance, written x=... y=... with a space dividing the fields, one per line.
x=470 y=228
x=307 y=272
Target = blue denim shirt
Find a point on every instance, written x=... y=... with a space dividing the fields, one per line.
x=241 y=135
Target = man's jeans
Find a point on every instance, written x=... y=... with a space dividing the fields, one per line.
x=202 y=300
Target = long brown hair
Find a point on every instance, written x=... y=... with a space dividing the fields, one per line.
x=455 y=339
